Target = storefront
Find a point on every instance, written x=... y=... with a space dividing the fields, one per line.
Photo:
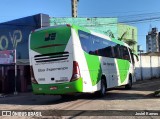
x=14 y=35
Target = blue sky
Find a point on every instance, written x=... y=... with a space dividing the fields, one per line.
x=123 y=9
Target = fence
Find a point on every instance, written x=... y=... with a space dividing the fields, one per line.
x=147 y=67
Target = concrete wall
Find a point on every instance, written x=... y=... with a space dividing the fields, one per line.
x=147 y=67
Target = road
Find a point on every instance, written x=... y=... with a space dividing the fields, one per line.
x=139 y=98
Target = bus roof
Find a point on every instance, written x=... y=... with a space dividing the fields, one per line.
x=99 y=34
x=86 y=30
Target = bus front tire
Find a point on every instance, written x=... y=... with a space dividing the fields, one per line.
x=102 y=91
x=129 y=85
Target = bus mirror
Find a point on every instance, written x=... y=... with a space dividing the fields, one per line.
x=136 y=57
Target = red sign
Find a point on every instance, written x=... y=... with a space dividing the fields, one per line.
x=7 y=57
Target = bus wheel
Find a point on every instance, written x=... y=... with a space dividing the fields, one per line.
x=102 y=91
x=129 y=85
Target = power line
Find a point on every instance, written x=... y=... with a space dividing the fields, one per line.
x=129 y=15
x=130 y=19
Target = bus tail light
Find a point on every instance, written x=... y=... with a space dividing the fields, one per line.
x=76 y=71
x=33 y=80
x=32 y=31
x=68 y=25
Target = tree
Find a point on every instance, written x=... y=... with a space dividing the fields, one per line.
x=123 y=35
x=110 y=34
x=130 y=42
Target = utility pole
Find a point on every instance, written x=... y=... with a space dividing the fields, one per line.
x=140 y=53
x=74 y=7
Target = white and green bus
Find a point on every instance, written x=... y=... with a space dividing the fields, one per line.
x=72 y=59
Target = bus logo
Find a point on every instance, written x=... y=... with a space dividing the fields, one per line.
x=49 y=37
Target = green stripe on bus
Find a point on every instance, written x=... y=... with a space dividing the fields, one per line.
x=94 y=68
x=117 y=41
x=80 y=28
x=123 y=67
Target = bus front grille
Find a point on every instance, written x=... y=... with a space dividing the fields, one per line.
x=51 y=57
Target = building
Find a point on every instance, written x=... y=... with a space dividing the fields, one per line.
x=107 y=26
x=14 y=35
x=153 y=41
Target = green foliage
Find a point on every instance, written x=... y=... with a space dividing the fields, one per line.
x=123 y=35
x=130 y=42
x=110 y=34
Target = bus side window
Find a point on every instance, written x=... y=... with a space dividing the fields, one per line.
x=108 y=51
x=116 y=51
x=137 y=59
x=113 y=54
x=125 y=53
x=132 y=57
x=86 y=42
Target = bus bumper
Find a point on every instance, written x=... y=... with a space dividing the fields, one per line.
x=61 y=88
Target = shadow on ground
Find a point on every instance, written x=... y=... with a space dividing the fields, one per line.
x=139 y=91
